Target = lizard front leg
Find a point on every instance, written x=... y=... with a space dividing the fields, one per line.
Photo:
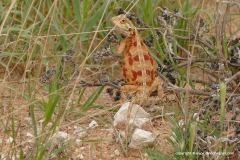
x=121 y=47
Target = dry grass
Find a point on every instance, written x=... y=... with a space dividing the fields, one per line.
x=36 y=35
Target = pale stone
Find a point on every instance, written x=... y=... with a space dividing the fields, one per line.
x=141 y=138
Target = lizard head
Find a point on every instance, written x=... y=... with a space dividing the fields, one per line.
x=123 y=25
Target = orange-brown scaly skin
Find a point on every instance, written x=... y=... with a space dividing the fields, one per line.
x=139 y=68
x=137 y=71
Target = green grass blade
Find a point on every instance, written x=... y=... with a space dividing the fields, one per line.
x=50 y=108
x=85 y=9
x=192 y=135
x=42 y=152
x=223 y=90
x=95 y=18
x=77 y=10
x=34 y=123
x=92 y=99
x=26 y=10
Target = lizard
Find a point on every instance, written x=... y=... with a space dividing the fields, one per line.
x=138 y=66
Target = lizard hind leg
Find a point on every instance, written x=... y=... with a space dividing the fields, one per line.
x=134 y=93
x=157 y=85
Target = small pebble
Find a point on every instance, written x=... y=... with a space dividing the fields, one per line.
x=29 y=134
x=79 y=141
x=82 y=148
x=62 y=135
x=80 y=132
x=80 y=156
x=111 y=155
x=10 y=140
x=93 y=124
x=116 y=152
x=146 y=155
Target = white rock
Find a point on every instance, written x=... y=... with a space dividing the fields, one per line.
x=111 y=155
x=116 y=152
x=3 y=157
x=49 y=124
x=82 y=148
x=141 y=138
x=78 y=141
x=62 y=136
x=93 y=124
x=122 y=134
x=80 y=132
x=80 y=156
x=29 y=134
x=145 y=155
x=28 y=119
x=10 y=140
x=138 y=116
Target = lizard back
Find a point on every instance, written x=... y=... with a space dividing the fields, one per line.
x=138 y=65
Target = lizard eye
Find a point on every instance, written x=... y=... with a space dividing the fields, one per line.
x=123 y=21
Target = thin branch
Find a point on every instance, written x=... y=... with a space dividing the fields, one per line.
x=228 y=80
x=86 y=84
x=190 y=91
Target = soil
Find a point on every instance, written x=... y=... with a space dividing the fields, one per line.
x=99 y=143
